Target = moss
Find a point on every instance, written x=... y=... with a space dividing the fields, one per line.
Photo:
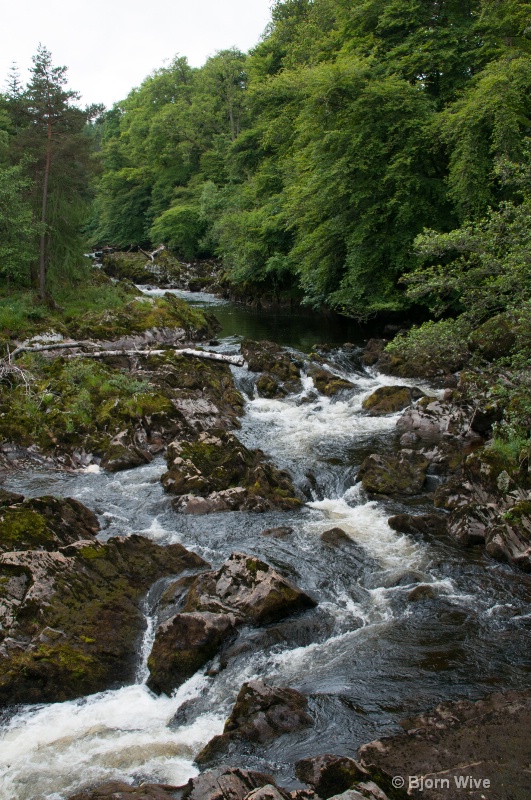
x=91 y=552
x=518 y=512
x=23 y=528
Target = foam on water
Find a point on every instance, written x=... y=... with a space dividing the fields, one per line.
x=111 y=735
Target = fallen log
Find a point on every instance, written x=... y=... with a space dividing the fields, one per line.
x=97 y=352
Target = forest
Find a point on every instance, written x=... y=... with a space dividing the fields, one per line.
x=367 y=156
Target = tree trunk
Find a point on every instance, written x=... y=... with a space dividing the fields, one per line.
x=42 y=241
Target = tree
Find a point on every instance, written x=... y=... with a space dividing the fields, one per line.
x=54 y=139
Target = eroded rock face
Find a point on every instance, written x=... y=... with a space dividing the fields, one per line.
x=244 y=590
x=226 y=783
x=261 y=713
x=117 y=790
x=488 y=740
x=390 y=399
x=69 y=614
x=403 y=474
x=249 y=589
x=183 y=645
x=490 y=506
x=216 y=472
x=330 y=775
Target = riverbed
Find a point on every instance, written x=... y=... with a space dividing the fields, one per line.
x=366 y=656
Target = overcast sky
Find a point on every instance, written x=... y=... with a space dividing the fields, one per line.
x=110 y=46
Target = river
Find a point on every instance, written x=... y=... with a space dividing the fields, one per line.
x=366 y=656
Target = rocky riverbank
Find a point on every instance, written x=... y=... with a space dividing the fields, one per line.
x=64 y=594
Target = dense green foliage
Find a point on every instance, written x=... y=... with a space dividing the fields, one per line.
x=316 y=159
x=46 y=168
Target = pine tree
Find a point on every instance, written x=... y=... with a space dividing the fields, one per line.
x=54 y=138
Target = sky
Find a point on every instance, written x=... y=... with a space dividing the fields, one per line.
x=110 y=46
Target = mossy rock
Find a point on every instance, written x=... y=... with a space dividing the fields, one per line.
x=327 y=383
x=216 y=462
x=390 y=400
x=78 y=613
x=403 y=474
x=45 y=523
x=270 y=358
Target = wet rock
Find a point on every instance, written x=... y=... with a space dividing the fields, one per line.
x=226 y=783
x=390 y=399
x=220 y=469
x=486 y=740
x=248 y=588
x=278 y=533
x=184 y=644
x=71 y=603
x=260 y=714
x=281 y=373
x=422 y=592
x=330 y=775
x=268 y=792
x=403 y=474
x=9 y=498
x=424 y=524
x=367 y=790
x=116 y=790
x=431 y=419
x=119 y=457
x=336 y=537
x=327 y=383
x=45 y=523
x=373 y=351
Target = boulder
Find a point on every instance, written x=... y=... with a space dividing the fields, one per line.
x=280 y=532
x=116 y=790
x=184 y=644
x=424 y=524
x=260 y=714
x=249 y=589
x=282 y=371
x=330 y=775
x=118 y=457
x=431 y=419
x=69 y=605
x=327 y=383
x=373 y=351
x=390 y=399
x=222 y=471
x=226 y=783
x=45 y=523
x=8 y=498
x=268 y=792
x=336 y=537
x=484 y=740
x=403 y=474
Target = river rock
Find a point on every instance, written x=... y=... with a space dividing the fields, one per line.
x=222 y=471
x=45 y=523
x=268 y=792
x=8 y=498
x=117 y=790
x=330 y=775
x=424 y=524
x=281 y=375
x=226 y=783
x=120 y=457
x=403 y=474
x=390 y=399
x=184 y=644
x=261 y=713
x=431 y=419
x=281 y=532
x=327 y=383
x=249 y=589
x=337 y=537
x=69 y=614
x=463 y=740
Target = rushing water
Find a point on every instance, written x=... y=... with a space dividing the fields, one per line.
x=366 y=656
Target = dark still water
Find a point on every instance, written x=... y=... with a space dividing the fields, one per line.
x=299 y=328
